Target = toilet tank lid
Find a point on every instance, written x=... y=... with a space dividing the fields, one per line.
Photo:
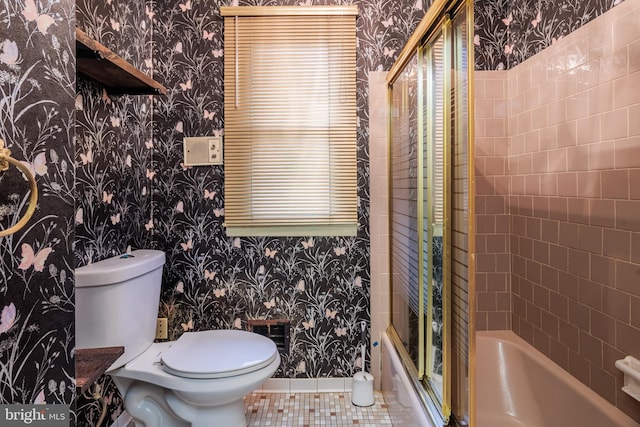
x=119 y=268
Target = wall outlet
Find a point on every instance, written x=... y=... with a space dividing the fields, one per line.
x=162 y=330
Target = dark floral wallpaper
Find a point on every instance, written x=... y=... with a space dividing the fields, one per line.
x=114 y=147
x=37 y=78
x=114 y=169
x=213 y=281
x=508 y=32
x=132 y=190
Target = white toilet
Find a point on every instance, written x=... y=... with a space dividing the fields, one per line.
x=198 y=380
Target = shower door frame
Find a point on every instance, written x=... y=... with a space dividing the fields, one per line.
x=438 y=20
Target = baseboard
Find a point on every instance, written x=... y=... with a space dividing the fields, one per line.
x=307 y=385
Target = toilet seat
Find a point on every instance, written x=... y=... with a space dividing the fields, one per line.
x=218 y=354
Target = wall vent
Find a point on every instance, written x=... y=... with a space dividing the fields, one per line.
x=276 y=329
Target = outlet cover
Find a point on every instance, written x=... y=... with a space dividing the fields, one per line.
x=162 y=328
x=202 y=150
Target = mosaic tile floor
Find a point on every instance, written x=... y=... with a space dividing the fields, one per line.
x=313 y=409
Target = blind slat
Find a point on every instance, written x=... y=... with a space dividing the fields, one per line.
x=290 y=123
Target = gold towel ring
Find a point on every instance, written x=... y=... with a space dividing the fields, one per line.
x=5 y=160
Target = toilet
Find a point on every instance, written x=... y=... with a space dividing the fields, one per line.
x=198 y=380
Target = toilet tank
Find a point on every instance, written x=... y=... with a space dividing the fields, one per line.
x=117 y=303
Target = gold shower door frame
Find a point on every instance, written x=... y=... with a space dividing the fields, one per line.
x=460 y=396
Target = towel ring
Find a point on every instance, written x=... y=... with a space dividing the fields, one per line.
x=5 y=160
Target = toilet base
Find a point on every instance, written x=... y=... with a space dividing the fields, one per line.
x=144 y=404
x=229 y=415
x=155 y=398
x=148 y=408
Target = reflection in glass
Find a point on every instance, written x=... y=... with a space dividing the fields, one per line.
x=460 y=220
x=429 y=214
x=404 y=211
x=433 y=183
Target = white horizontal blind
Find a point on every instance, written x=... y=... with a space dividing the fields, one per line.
x=290 y=123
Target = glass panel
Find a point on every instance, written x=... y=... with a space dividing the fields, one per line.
x=429 y=212
x=434 y=205
x=460 y=221
x=405 y=300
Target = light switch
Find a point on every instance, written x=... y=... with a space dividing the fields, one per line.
x=202 y=150
x=215 y=151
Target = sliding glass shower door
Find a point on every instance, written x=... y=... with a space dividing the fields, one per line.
x=407 y=294
x=430 y=163
x=433 y=214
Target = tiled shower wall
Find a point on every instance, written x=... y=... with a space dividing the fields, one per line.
x=379 y=217
x=493 y=293
x=571 y=125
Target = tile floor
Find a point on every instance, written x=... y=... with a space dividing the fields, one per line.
x=313 y=409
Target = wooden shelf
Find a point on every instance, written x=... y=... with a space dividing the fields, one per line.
x=103 y=65
x=91 y=363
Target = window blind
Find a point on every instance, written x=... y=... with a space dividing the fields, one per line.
x=290 y=121
x=436 y=109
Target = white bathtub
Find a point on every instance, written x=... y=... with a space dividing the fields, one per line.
x=404 y=405
x=518 y=386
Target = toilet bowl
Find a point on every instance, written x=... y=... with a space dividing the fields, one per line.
x=202 y=377
x=198 y=380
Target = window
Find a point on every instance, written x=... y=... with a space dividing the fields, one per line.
x=290 y=121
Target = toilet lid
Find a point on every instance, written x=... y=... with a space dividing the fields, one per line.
x=218 y=354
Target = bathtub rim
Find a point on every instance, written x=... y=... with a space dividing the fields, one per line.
x=419 y=398
x=510 y=338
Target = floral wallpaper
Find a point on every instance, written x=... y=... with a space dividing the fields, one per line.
x=114 y=139
x=114 y=170
x=131 y=189
x=319 y=284
x=37 y=78
x=438 y=322
x=508 y=32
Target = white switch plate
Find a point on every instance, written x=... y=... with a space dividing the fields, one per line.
x=202 y=150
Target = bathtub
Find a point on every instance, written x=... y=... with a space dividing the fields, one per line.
x=403 y=403
x=516 y=385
